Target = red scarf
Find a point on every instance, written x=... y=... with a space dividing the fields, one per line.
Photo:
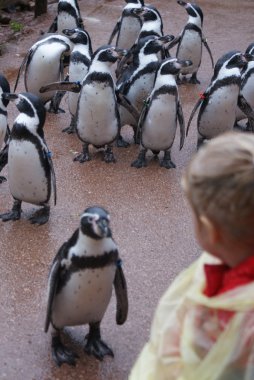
x=220 y=278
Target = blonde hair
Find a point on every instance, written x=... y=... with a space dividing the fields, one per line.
x=219 y=183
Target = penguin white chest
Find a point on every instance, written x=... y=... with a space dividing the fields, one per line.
x=65 y=21
x=140 y=89
x=220 y=112
x=98 y=120
x=248 y=93
x=85 y=297
x=27 y=177
x=190 y=48
x=130 y=28
x=159 y=128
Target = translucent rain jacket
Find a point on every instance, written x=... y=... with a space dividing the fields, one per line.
x=194 y=337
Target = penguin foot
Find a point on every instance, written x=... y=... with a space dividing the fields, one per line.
x=168 y=164
x=56 y=111
x=41 y=216
x=61 y=354
x=69 y=130
x=121 y=143
x=193 y=80
x=12 y=215
x=96 y=347
x=2 y=179
x=108 y=156
x=82 y=157
x=139 y=163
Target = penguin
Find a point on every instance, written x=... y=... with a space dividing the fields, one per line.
x=189 y=42
x=152 y=26
x=43 y=64
x=80 y=283
x=4 y=129
x=219 y=101
x=128 y=26
x=161 y=110
x=247 y=85
x=68 y=17
x=30 y=167
x=139 y=80
x=80 y=60
x=98 y=120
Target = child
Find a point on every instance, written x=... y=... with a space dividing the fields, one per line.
x=203 y=327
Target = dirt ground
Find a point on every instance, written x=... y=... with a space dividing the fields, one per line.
x=151 y=221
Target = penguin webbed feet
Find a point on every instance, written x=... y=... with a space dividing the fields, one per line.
x=41 y=216
x=193 y=79
x=62 y=354
x=121 y=143
x=94 y=345
x=84 y=156
x=72 y=126
x=108 y=156
x=140 y=162
x=166 y=162
x=14 y=214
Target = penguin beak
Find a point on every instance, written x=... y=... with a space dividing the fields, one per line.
x=119 y=53
x=182 y=3
x=166 y=39
x=102 y=227
x=68 y=32
x=185 y=63
x=249 y=57
x=9 y=96
x=138 y=11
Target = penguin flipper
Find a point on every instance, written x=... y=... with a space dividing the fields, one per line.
x=4 y=156
x=121 y=296
x=246 y=109
x=204 y=40
x=26 y=58
x=61 y=86
x=52 y=285
x=115 y=31
x=192 y=114
x=53 y=26
x=174 y=42
x=123 y=101
x=53 y=175
x=181 y=123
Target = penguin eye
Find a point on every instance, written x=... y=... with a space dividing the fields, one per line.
x=90 y=219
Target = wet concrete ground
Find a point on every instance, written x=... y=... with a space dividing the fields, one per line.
x=150 y=218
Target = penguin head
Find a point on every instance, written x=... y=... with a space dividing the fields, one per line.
x=94 y=222
x=32 y=109
x=153 y=44
x=4 y=87
x=147 y=13
x=250 y=49
x=78 y=36
x=109 y=54
x=173 y=66
x=141 y=2
x=194 y=11
x=232 y=59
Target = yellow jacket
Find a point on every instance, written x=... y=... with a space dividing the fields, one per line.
x=189 y=341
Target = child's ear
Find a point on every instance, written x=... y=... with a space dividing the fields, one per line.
x=212 y=231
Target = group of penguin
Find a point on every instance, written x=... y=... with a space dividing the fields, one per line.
x=143 y=92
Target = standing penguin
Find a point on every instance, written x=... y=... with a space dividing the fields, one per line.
x=43 y=64
x=138 y=82
x=219 y=102
x=4 y=129
x=247 y=84
x=68 y=17
x=80 y=285
x=30 y=168
x=80 y=60
x=190 y=42
x=162 y=109
x=128 y=26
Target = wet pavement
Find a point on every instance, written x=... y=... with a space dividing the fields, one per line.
x=150 y=219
